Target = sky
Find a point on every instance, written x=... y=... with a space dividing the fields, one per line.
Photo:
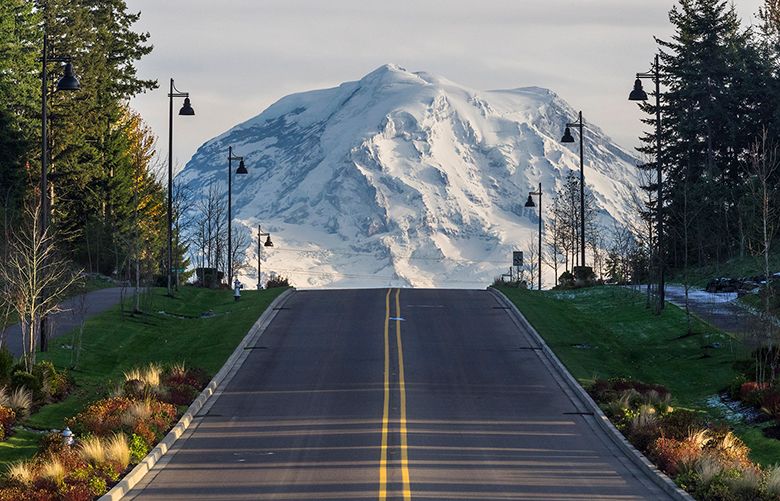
x=237 y=57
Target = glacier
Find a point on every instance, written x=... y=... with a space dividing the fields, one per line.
x=404 y=179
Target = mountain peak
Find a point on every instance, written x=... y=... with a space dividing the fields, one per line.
x=404 y=179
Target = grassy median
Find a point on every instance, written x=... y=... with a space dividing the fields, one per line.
x=605 y=332
x=199 y=327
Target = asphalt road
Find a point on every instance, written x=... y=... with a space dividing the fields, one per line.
x=72 y=314
x=380 y=395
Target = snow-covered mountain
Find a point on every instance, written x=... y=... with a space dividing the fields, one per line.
x=403 y=179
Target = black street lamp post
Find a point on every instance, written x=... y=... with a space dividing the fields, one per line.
x=268 y=243
x=638 y=94
x=567 y=138
x=185 y=110
x=241 y=170
x=68 y=82
x=530 y=203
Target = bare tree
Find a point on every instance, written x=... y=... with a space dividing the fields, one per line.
x=242 y=239
x=531 y=262
x=36 y=278
x=556 y=254
x=207 y=217
x=764 y=163
x=643 y=227
x=621 y=249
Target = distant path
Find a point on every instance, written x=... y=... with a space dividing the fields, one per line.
x=95 y=302
x=720 y=309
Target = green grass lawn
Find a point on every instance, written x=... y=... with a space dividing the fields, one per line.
x=605 y=332
x=172 y=330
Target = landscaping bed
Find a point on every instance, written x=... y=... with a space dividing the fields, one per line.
x=674 y=383
x=129 y=379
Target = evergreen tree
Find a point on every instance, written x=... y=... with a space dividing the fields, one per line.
x=19 y=88
x=92 y=174
x=712 y=110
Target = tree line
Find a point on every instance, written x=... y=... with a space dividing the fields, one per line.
x=106 y=200
x=720 y=111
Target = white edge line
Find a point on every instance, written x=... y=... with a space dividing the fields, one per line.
x=233 y=362
x=653 y=473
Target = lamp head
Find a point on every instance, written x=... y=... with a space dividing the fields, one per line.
x=187 y=110
x=530 y=202
x=241 y=168
x=567 y=137
x=68 y=80
x=638 y=94
x=268 y=242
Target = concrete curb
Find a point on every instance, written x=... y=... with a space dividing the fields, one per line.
x=637 y=458
x=222 y=377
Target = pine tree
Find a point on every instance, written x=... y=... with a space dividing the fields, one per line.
x=91 y=165
x=715 y=102
x=19 y=88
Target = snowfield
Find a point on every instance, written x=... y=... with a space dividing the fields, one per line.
x=404 y=179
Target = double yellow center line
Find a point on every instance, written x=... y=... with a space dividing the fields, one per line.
x=383 y=466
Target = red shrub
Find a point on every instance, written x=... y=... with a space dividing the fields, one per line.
x=770 y=402
x=671 y=455
x=750 y=392
x=100 y=418
x=181 y=394
x=143 y=430
x=78 y=492
x=197 y=378
x=7 y=418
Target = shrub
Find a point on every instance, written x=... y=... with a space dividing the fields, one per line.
x=748 y=484
x=707 y=469
x=770 y=403
x=133 y=388
x=100 y=418
x=680 y=423
x=750 y=392
x=21 y=473
x=729 y=450
x=3 y=396
x=182 y=394
x=604 y=390
x=773 y=481
x=137 y=411
x=78 y=492
x=162 y=418
x=23 y=379
x=118 y=450
x=179 y=375
x=566 y=280
x=672 y=456
x=6 y=365
x=52 y=443
x=7 y=419
x=138 y=448
x=93 y=451
x=20 y=401
x=277 y=281
x=53 y=385
x=644 y=429
x=53 y=472
x=97 y=486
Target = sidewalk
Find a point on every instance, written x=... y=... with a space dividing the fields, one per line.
x=95 y=302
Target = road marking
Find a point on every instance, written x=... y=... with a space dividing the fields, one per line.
x=402 y=389
x=386 y=410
